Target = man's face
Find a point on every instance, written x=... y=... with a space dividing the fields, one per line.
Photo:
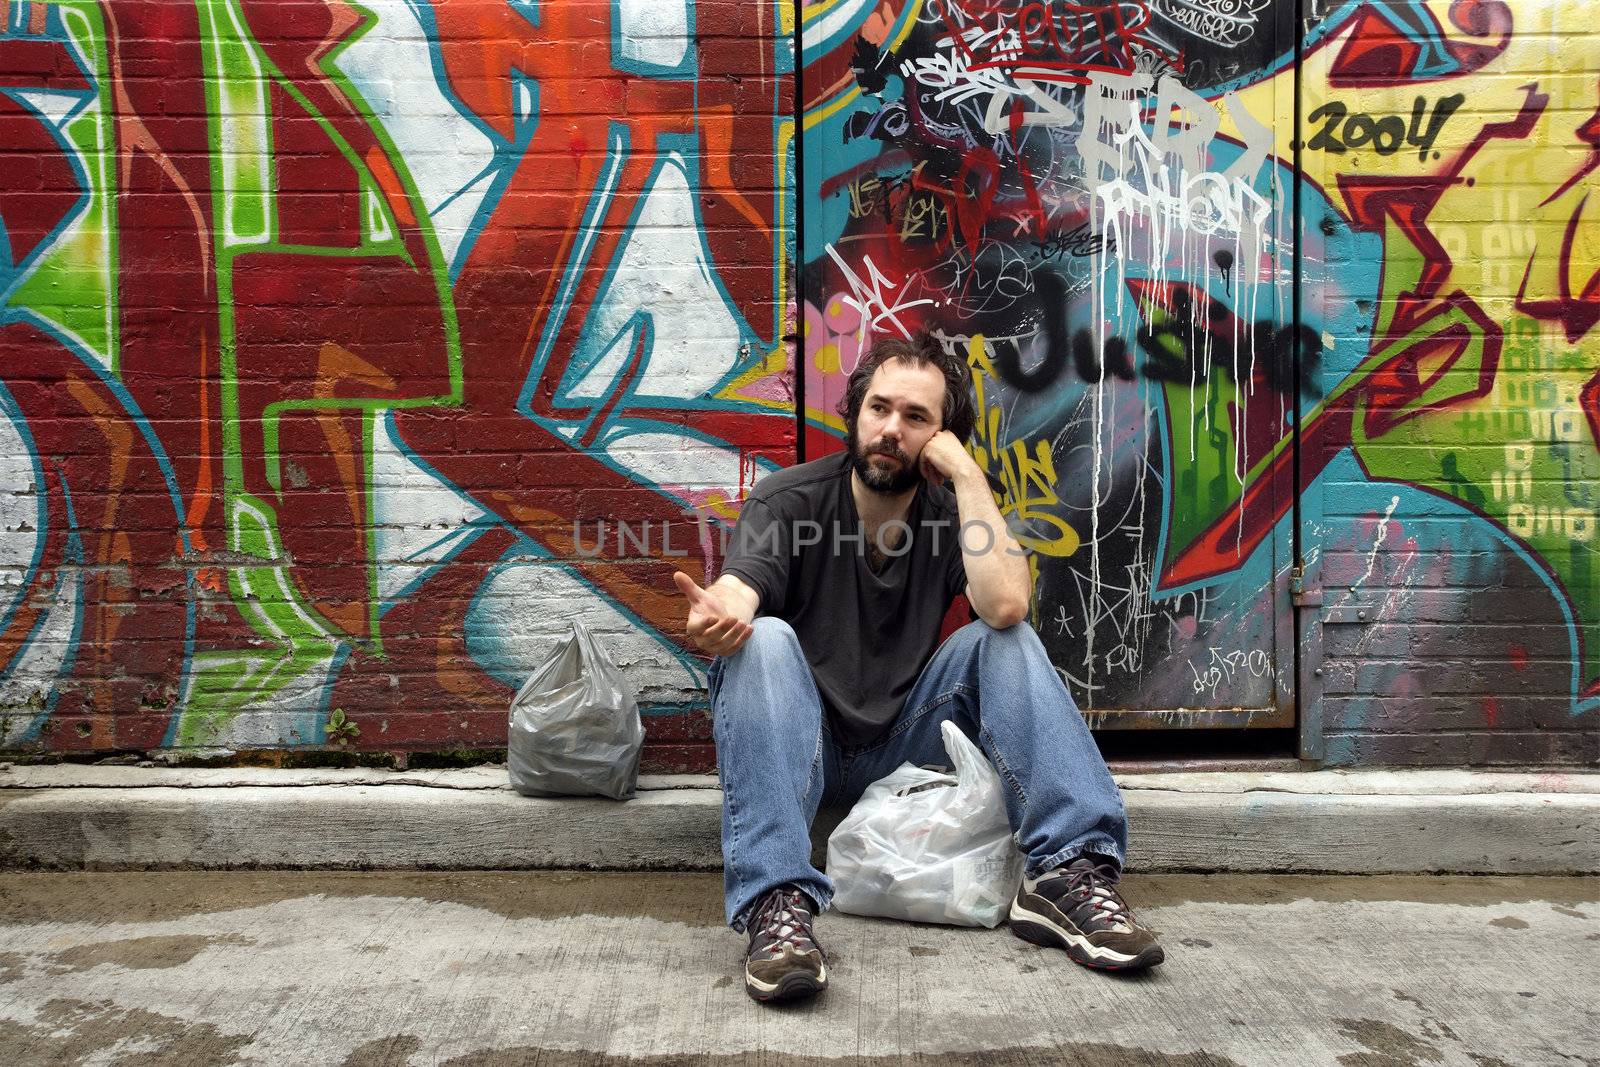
x=900 y=413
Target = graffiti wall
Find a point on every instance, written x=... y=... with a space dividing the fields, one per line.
x=1450 y=469
x=331 y=332
x=1077 y=199
x=1283 y=341
x=337 y=339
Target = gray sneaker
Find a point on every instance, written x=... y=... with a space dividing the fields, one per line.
x=784 y=961
x=1077 y=908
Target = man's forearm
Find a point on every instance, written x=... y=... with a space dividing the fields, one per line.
x=998 y=581
x=736 y=596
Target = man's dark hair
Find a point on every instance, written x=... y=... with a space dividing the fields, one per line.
x=922 y=350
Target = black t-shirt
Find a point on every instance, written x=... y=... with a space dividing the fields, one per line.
x=867 y=634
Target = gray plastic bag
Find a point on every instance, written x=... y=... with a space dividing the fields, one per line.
x=575 y=727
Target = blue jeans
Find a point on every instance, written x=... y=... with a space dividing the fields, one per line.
x=779 y=762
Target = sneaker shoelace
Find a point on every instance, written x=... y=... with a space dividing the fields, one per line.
x=784 y=919
x=1094 y=883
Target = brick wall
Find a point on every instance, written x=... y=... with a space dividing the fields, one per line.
x=1454 y=270
x=331 y=334
x=327 y=329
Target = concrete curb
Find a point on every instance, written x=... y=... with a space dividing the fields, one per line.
x=1371 y=822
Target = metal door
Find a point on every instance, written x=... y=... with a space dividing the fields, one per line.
x=1092 y=202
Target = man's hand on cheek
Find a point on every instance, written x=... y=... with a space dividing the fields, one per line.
x=944 y=457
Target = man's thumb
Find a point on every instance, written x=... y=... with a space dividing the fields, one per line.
x=686 y=586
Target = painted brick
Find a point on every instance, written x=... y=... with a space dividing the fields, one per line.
x=329 y=336
x=324 y=353
x=1447 y=450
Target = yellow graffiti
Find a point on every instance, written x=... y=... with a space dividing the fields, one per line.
x=898 y=200
x=1026 y=470
x=924 y=217
x=1480 y=375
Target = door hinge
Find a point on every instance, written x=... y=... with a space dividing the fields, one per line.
x=1303 y=594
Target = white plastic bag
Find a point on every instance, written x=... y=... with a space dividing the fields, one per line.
x=575 y=728
x=928 y=846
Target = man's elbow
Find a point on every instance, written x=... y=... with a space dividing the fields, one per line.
x=1005 y=614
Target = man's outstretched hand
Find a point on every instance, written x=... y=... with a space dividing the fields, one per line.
x=712 y=624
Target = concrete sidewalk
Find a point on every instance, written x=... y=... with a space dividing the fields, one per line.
x=1400 y=821
x=404 y=969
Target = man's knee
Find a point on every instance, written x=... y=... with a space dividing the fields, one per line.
x=1018 y=639
x=772 y=651
x=771 y=628
x=769 y=637
x=767 y=681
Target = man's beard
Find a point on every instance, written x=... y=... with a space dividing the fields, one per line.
x=890 y=483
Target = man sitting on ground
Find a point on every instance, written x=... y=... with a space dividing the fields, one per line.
x=829 y=674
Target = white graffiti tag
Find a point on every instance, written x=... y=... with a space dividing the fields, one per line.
x=1224 y=667
x=1165 y=177
x=874 y=298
